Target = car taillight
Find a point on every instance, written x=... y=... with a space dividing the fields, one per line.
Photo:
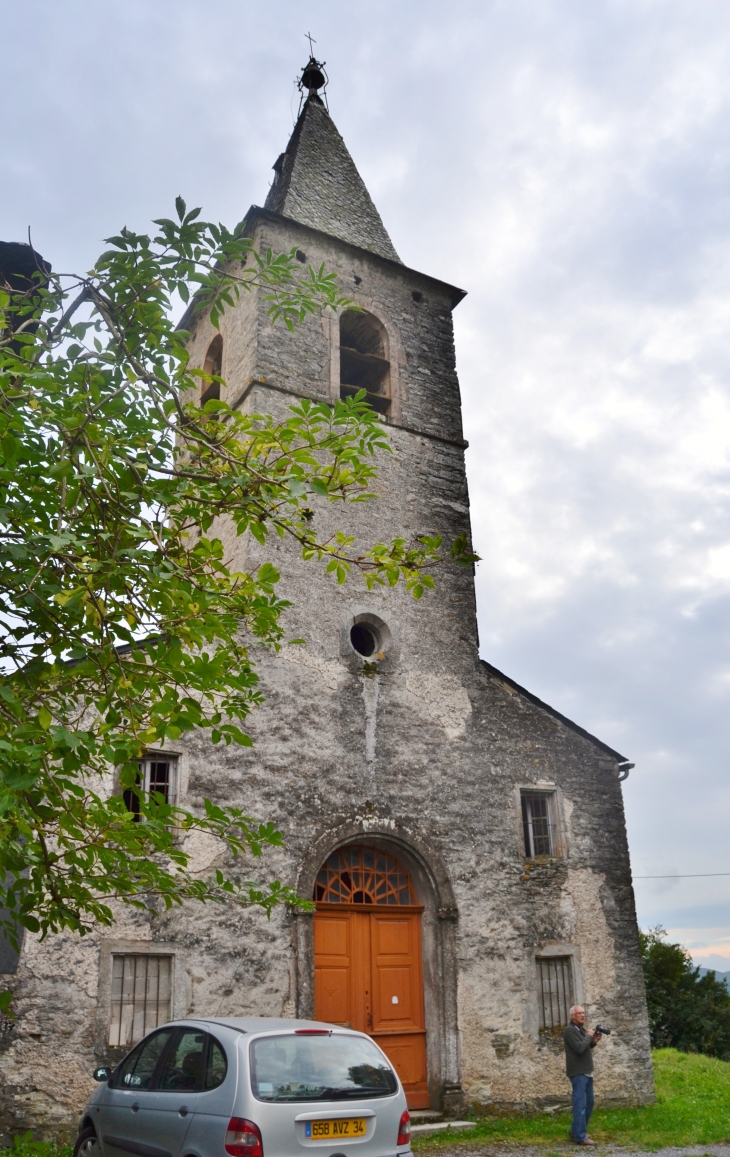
x=404 y=1130
x=313 y=1032
x=243 y=1138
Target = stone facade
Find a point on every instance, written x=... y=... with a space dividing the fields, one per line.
x=424 y=752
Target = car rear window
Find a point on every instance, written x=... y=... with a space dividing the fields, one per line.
x=319 y=1068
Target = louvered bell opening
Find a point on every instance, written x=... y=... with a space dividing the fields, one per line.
x=362 y=362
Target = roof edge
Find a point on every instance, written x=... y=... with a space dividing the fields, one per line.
x=555 y=714
x=257 y=212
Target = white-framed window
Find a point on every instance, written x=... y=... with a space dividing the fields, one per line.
x=555 y=987
x=141 y=997
x=157 y=773
x=538 y=823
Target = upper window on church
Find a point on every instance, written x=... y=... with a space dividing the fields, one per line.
x=538 y=823
x=363 y=359
x=157 y=775
x=211 y=391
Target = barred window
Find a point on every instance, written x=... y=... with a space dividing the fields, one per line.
x=156 y=774
x=538 y=823
x=141 y=997
x=555 y=990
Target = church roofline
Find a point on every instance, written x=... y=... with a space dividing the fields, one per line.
x=257 y=212
x=317 y=183
x=555 y=714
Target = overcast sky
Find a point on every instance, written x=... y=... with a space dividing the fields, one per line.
x=567 y=163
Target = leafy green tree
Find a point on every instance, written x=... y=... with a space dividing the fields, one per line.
x=122 y=625
x=687 y=1011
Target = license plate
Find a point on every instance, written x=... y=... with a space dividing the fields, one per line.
x=343 y=1127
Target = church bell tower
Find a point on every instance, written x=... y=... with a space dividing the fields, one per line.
x=421 y=792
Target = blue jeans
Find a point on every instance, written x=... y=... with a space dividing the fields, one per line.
x=582 y=1105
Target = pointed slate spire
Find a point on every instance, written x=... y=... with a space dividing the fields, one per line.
x=317 y=184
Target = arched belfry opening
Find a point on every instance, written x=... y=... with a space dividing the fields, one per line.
x=368 y=972
x=213 y=364
x=364 y=361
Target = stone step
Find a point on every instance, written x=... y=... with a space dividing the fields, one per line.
x=435 y=1126
x=421 y=1116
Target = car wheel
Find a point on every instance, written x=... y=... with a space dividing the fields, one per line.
x=87 y=1144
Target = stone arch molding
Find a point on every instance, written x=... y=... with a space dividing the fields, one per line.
x=438 y=930
x=385 y=831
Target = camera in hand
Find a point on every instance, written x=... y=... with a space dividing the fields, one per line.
x=602 y=1031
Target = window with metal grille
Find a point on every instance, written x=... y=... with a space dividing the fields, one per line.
x=360 y=875
x=156 y=774
x=538 y=823
x=555 y=990
x=141 y=996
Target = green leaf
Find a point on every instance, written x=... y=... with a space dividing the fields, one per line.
x=127 y=626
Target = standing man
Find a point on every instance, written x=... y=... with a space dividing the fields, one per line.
x=579 y=1046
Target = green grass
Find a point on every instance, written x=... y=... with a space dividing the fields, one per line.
x=692 y=1108
x=25 y=1146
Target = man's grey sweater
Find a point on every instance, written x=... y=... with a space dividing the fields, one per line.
x=578 y=1051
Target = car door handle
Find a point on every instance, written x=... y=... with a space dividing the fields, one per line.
x=135 y=1106
x=183 y=1110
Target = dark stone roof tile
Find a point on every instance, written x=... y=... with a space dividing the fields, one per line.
x=317 y=184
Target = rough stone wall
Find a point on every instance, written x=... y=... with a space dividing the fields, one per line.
x=423 y=752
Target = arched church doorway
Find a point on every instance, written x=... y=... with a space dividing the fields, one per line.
x=367 y=958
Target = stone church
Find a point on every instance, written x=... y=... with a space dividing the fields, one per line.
x=464 y=842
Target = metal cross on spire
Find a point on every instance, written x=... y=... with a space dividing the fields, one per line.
x=313 y=76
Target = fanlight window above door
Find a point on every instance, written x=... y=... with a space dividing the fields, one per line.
x=360 y=875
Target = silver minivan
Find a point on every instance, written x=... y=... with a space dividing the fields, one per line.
x=248 y=1087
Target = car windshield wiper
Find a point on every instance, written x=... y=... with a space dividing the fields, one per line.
x=360 y=1091
x=332 y=1094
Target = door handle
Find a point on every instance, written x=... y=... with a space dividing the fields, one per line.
x=135 y=1106
x=183 y=1110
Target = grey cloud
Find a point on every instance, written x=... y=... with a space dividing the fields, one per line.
x=700 y=916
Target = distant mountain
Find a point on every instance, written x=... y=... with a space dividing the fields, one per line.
x=719 y=975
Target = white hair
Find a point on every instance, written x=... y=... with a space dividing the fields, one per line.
x=575 y=1008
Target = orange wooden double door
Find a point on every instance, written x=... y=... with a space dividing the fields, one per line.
x=367 y=976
